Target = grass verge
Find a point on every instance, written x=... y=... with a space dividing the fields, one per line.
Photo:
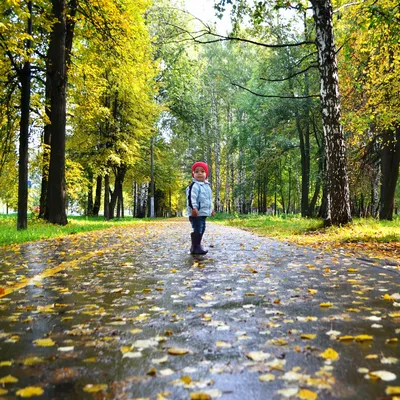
x=375 y=239
x=39 y=229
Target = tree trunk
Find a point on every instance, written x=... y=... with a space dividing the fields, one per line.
x=56 y=188
x=390 y=159
x=317 y=187
x=289 y=188
x=304 y=135
x=338 y=197
x=117 y=194
x=121 y=204
x=97 y=200
x=304 y=140
x=107 y=197
x=25 y=80
x=89 y=210
x=44 y=213
x=376 y=177
x=135 y=200
x=142 y=197
x=217 y=152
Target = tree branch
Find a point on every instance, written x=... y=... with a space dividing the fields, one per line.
x=291 y=76
x=305 y=58
x=17 y=68
x=221 y=38
x=196 y=36
x=347 y=5
x=274 y=96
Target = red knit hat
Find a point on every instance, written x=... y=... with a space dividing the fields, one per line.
x=200 y=164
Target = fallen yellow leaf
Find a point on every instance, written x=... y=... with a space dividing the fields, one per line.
x=347 y=337
x=329 y=354
x=125 y=349
x=266 y=378
x=392 y=390
x=44 y=342
x=175 y=351
x=363 y=338
x=224 y=345
x=5 y=363
x=279 y=342
x=384 y=375
x=8 y=379
x=186 y=379
x=308 y=336
x=33 y=360
x=326 y=304
x=395 y=315
x=258 y=355
x=199 y=396
x=3 y=391
x=30 y=391
x=305 y=394
x=387 y=296
x=94 y=388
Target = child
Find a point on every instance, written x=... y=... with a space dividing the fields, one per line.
x=199 y=205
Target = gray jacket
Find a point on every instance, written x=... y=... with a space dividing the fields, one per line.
x=198 y=195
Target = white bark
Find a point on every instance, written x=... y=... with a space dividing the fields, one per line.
x=337 y=179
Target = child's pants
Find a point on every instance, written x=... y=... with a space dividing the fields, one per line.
x=198 y=224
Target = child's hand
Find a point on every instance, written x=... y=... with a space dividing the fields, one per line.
x=212 y=213
x=195 y=212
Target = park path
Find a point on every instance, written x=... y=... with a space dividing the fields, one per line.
x=129 y=314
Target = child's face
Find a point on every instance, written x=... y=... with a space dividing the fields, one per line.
x=200 y=174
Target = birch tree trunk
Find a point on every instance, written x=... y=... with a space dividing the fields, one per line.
x=228 y=164
x=217 y=155
x=338 y=197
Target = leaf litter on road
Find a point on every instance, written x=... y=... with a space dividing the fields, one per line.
x=287 y=319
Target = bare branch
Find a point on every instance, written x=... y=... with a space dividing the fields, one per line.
x=207 y=31
x=291 y=76
x=274 y=96
x=347 y=5
x=221 y=38
x=305 y=58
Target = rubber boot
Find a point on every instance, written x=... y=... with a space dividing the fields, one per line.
x=201 y=238
x=197 y=249
x=192 y=237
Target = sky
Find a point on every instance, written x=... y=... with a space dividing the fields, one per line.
x=204 y=10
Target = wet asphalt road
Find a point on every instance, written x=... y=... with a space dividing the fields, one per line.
x=131 y=310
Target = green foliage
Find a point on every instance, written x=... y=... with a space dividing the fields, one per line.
x=8 y=182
